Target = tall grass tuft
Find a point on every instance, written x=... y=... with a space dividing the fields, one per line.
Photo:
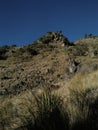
x=83 y=109
x=50 y=115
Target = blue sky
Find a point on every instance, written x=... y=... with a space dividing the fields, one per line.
x=24 y=21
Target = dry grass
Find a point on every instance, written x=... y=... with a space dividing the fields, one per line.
x=82 y=106
x=72 y=106
x=75 y=105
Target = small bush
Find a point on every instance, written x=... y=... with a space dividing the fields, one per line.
x=32 y=51
x=3 y=51
x=46 y=38
x=95 y=49
x=78 y=50
x=14 y=45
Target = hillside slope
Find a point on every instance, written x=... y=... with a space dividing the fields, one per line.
x=46 y=62
x=51 y=64
x=39 y=64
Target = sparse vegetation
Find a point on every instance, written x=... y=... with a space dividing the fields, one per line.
x=37 y=92
x=79 y=50
x=3 y=51
x=46 y=110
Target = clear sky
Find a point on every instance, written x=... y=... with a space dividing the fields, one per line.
x=24 y=21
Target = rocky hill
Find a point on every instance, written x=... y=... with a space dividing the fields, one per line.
x=46 y=62
x=42 y=63
x=49 y=63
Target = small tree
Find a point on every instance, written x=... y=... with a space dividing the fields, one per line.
x=90 y=35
